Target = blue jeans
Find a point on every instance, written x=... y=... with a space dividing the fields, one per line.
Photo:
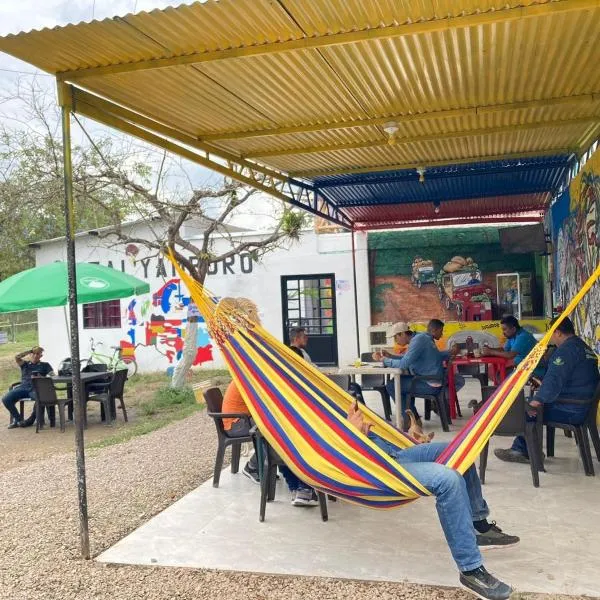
x=557 y=413
x=294 y=484
x=459 y=500
x=13 y=396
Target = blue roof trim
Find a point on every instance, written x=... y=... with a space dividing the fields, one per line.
x=452 y=182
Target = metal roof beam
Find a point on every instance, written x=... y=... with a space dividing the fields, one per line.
x=403 y=119
x=288 y=190
x=481 y=220
x=425 y=138
x=311 y=174
x=349 y=37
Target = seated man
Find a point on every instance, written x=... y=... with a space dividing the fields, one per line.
x=462 y=511
x=301 y=494
x=572 y=374
x=422 y=358
x=34 y=367
x=519 y=343
x=401 y=335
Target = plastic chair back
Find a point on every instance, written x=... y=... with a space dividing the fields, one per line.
x=514 y=420
x=44 y=390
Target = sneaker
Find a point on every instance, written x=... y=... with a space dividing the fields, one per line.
x=292 y=496
x=304 y=497
x=251 y=475
x=14 y=424
x=494 y=537
x=510 y=455
x=484 y=585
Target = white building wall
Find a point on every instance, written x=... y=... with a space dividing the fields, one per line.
x=313 y=254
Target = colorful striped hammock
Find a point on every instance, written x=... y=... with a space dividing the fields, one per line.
x=302 y=413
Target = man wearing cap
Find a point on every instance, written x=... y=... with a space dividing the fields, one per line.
x=422 y=359
x=401 y=335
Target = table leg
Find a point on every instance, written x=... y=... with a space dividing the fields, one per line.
x=398 y=399
x=451 y=391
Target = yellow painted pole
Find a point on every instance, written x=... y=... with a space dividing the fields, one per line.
x=64 y=97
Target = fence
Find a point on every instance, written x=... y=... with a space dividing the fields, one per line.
x=13 y=328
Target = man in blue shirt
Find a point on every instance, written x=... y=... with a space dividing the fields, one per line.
x=572 y=374
x=29 y=369
x=422 y=358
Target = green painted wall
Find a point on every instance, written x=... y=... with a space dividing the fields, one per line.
x=392 y=252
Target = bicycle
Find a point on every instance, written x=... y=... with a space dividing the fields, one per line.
x=116 y=362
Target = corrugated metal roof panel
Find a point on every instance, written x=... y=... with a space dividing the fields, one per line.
x=395 y=57
x=530 y=205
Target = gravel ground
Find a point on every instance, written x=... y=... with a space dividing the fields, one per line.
x=127 y=484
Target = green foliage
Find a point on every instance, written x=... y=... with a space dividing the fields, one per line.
x=377 y=302
x=168 y=398
x=292 y=223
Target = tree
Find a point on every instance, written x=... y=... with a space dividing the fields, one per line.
x=117 y=180
x=196 y=257
x=31 y=177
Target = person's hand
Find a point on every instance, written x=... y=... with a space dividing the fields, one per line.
x=385 y=354
x=377 y=356
x=454 y=350
x=485 y=351
x=535 y=382
x=533 y=405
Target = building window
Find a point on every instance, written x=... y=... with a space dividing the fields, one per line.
x=102 y=315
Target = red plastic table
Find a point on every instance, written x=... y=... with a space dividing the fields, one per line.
x=496 y=370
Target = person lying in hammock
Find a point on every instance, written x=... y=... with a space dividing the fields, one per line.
x=461 y=509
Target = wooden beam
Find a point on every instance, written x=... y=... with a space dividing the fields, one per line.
x=350 y=37
x=437 y=163
x=423 y=138
x=403 y=119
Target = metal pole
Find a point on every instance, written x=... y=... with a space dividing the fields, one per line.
x=355 y=296
x=78 y=400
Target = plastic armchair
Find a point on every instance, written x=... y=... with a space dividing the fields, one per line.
x=514 y=423
x=580 y=431
x=438 y=400
x=46 y=397
x=214 y=403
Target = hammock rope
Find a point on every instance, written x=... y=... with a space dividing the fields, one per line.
x=302 y=413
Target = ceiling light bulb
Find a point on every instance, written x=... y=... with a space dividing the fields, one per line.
x=391 y=128
x=421 y=172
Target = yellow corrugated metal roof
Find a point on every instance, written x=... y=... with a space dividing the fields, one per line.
x=304 y=86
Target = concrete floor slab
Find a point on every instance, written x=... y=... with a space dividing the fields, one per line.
x=219 y=529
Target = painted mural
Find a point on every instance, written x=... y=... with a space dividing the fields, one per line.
x=576 y=237
x=160 y=321
x=449 y=274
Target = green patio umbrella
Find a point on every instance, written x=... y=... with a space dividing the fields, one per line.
x=46 y=286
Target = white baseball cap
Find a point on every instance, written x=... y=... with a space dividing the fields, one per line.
x=400 y=327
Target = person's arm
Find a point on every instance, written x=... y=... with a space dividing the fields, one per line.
x=509 y=355
x=19 y=357
x=413 y=352
x=554 y=380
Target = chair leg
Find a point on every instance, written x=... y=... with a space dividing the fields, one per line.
x=441 y=406
x=387 y=407
x=61 y=416
x=427 y=410
x=218 y=465
x=264 y=490
x=550 y=441
x=532 y=450
x=122 y=402
x=323 y=506
x=593 y=429
x=483 y=458
x=107 y=412
x=235 y=457
x=38 y=416
x=272 y=482
x=458 y=411
x=584 y=450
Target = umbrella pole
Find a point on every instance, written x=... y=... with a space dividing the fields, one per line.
x=65 y=101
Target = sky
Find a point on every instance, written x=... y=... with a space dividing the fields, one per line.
x=25 y=15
